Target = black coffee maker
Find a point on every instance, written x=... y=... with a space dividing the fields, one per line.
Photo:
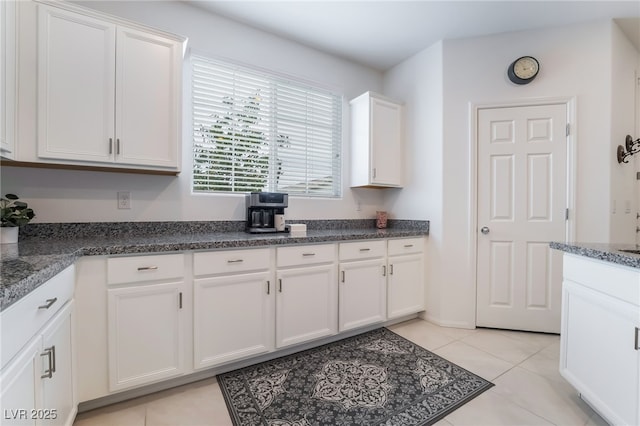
x=262 y=208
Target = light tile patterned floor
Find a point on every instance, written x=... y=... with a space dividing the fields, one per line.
x=524 y=367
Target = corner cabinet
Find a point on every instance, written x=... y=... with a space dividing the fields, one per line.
x=108 y=94
x=376 y=142
x=599 y=339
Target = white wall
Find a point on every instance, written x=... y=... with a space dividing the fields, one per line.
x=81 y=196
x=575 y=62
x=418 y=82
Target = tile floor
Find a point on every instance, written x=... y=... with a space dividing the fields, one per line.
x=523 y=366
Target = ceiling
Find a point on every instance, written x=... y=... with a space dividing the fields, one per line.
x=382 y=33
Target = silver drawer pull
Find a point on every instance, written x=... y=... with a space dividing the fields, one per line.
x=308 y=254
x=235 y=261
x=408 y=245
x=50 y=353
x=147 y=268
x=48 y=304
x=637 y=344
x=365 y=249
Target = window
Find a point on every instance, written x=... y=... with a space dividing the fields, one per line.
x=258 y=132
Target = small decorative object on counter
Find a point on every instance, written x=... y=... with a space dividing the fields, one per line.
x=13 y=213
x=381 y=220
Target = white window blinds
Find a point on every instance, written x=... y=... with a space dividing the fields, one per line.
x=258 y=132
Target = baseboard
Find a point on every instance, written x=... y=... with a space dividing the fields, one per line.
x=444 y=323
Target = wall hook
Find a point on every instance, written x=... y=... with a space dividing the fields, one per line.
x=630 y=148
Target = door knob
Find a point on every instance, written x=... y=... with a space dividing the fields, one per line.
x=484 y=230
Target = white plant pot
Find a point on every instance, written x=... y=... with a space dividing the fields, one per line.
x=8 y=234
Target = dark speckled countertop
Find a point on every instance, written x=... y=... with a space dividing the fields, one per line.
x=608 y=252
x=46 y=249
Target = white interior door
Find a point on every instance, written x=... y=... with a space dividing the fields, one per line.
x=522 y=200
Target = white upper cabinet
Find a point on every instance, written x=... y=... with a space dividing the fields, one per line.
x=7 y=78
x=376 y=142
x=107 y=93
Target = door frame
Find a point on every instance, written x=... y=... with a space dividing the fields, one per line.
x=571 y=177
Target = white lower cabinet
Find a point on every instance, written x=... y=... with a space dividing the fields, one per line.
x=599 y=339
x=233 y=314
x=36 y=379
x=362 y=284
x=145 y=320
x=307 y=294
x=405 y=281
x=37 y=386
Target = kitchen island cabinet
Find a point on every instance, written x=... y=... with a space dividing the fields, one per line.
x=599 y=340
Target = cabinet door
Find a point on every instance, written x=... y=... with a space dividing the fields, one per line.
x=57 y=385
x=405 y=289
x=598 y=354
x=386 y=143
x=19 y=395
x=76 y=77
x=306 y=304
x=147 y=99
x=145 y=334
x=362 y=293
x=7 y=77
x=233 y=318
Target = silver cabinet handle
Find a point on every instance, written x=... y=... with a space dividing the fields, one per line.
x=308 y=254
x=374 y=172
x=48 y=303
x=342 y=276
x=235 y=261
x=48 y=352
x=110 y=146
x=147 y=268
x=268 y=287
x=408 y=245
x=365 y=249
x=118 y=146
x=384 y=270
x=391 y=269
x=637 y=344
x=280 y=285
x=484 y=230
x=180 y=300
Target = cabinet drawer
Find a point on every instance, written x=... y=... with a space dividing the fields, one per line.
x=230 y=261
x=144 y=268
x=362 y=250
x=405 y=246
x=305 y=255
x=21 y=321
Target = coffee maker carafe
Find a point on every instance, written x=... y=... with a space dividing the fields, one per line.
x=262 y=208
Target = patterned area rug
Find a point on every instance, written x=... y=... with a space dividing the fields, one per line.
x=375 y=378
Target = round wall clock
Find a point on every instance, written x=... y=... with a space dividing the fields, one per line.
x=523 y=70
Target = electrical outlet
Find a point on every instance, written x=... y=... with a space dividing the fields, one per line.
x=124 y=200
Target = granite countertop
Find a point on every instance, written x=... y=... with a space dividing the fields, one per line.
x=46 y=249
x=607 y=252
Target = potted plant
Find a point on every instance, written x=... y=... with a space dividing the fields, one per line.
x=13 y=213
